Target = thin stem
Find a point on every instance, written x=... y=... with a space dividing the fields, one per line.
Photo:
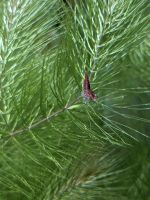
x=46 y=119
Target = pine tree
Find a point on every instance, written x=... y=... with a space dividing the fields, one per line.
x=54 y=143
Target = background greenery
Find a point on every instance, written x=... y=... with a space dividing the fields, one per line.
x=53 y=145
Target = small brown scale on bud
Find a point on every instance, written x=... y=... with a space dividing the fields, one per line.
x=88 y=93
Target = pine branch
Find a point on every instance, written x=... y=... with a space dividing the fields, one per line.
x=95 y=150
x=47 y=119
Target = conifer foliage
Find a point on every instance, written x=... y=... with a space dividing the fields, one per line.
x=55 y=144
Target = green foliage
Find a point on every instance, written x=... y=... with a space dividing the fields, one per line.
x=53 y=145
